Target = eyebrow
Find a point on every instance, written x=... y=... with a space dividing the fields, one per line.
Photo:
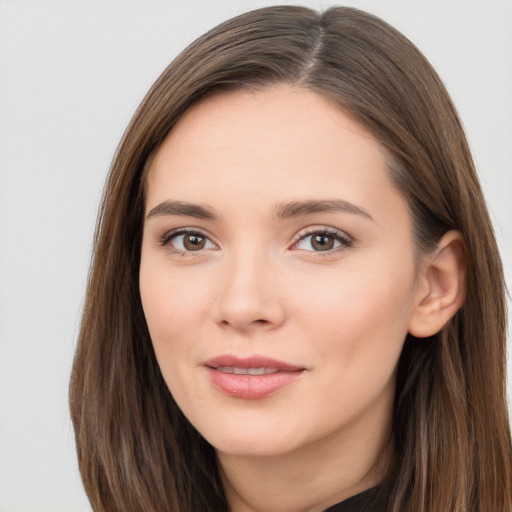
x=282 y=211
x=182 y=208
x=298 y=208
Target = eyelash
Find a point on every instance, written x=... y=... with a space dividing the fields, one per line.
x=341 y=238
x=166 y=240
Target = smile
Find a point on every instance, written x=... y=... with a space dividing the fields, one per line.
x=250 y=378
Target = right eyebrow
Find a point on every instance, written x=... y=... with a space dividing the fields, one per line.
x=182 y=208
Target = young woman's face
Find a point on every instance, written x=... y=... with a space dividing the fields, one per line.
x=277 y=274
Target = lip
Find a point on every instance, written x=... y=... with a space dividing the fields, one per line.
x=230 y=375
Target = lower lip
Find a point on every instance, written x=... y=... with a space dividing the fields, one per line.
x=252 y=386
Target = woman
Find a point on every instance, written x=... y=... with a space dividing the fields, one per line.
x=296 y=301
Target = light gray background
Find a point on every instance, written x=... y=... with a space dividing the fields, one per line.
x=71 y=74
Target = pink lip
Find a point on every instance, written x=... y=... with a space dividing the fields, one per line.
x=250 y=386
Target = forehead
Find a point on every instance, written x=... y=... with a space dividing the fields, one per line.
x=280 y=141
x=284 y=115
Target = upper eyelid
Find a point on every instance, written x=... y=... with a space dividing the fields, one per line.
x=168 y=235
x=311 y=230
x=187 y=229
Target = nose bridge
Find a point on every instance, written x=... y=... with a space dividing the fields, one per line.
x=248 y=296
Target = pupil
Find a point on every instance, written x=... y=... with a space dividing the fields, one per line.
x=193 y=242
x=322 y=242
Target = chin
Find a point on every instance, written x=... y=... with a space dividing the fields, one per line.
x=256 y=438
x=252 y=447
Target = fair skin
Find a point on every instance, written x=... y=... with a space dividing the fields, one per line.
x=274 y=241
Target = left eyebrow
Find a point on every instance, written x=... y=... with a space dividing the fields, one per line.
x=298 y=208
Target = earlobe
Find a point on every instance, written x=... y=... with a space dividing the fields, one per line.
x=442 y=291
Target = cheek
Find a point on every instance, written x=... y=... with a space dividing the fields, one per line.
x=171 y=300
x=356 y=313
x=171 y=311
x=176 y=310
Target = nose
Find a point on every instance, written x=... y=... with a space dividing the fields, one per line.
x=249 y=298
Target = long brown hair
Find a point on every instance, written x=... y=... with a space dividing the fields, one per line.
x=136 y=450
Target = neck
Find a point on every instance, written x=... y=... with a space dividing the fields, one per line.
x=310 y=478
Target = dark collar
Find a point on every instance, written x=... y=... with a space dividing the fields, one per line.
x=366 y=501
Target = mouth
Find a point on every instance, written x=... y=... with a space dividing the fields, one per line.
x=246 y=371
x=251 y=378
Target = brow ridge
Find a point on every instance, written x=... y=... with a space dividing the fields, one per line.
x=282 y=211
x=298 y=208
x=182 y=208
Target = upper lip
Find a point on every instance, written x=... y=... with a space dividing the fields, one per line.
x=256 y=361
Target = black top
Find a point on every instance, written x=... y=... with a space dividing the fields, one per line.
x=366 y=501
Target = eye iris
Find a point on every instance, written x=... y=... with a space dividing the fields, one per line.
x=322 y=242
x=193 y=242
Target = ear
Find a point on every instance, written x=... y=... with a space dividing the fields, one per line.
x=441 y=286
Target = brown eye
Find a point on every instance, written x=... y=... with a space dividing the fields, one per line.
x=322 y=242
x=194 y=242
x=188 y=241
